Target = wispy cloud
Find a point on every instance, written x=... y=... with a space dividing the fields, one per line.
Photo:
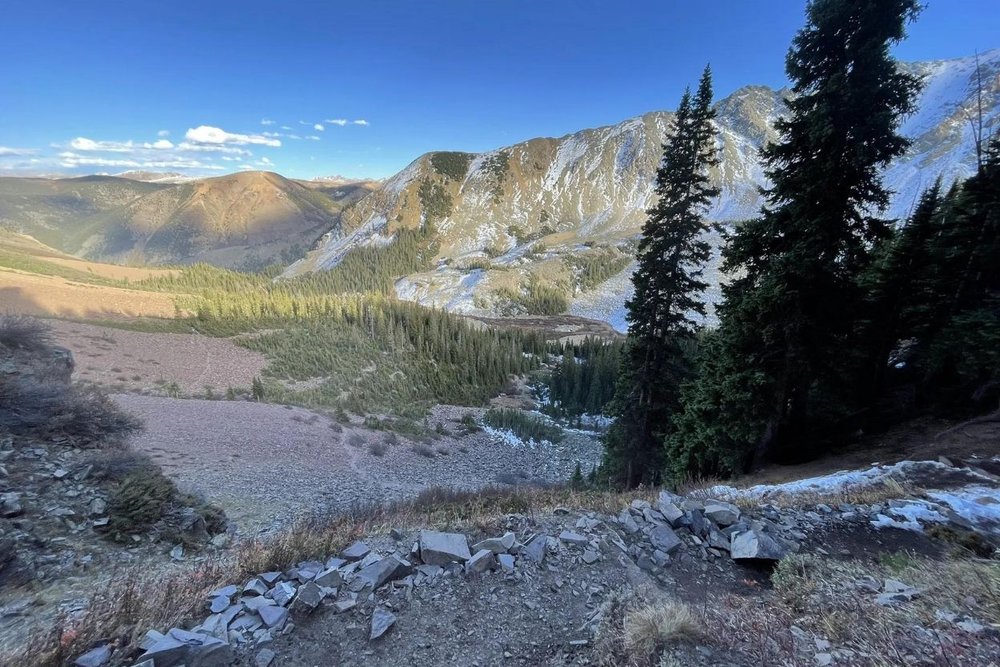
x=7 y=150
x=207 y=134
x=318 y=127
x=266 y=121
x=91 y=145
x=343 y=121
x=71 y=160
x=163 y=133
x=313 y=137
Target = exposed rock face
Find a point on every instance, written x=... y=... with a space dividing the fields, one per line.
x=594 y=186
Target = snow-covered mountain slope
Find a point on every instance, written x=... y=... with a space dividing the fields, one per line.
x=563 y=213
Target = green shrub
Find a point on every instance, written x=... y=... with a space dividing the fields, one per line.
x=451 y=164
x=139 y=501
x=524 y=425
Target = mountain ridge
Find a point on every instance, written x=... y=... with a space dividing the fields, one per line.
x=514 y=217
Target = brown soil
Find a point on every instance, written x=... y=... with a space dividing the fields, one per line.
x=54 y=296
x=149 y=362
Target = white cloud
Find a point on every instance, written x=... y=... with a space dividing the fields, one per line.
x=265 y=162
x=266 y=121
x=206 y=134
x=285 y=127
x=337 y=121
x=313 y=137
x=163 y=133
x=318 y=127
x=93 y=146
x=7 y=150
x=211 y=148
x=70 y=160
x=360 y=121
x=85 y=144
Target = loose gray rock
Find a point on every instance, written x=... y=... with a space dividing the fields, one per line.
x=382 y=620
x=273 y=617
x=342 y=606
x=723 y=514
x=264 y=658
x=387 y=569
x=255 y=587
x=283 y=593
x=307 y=598
x=180 y=647
x=574 y=538
x=665 y=539
x=219 y=604
x=755 y=545
x=670 y=512
x=95 y=657
x=443 y=548
x=482 y=561
x=356 y=551
x=228 y=591
x=330 y=578
x=506 y=562
x=498 y=545
x=535 y=549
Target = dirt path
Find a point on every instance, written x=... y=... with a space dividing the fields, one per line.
x=136 y=361
x=268 y=464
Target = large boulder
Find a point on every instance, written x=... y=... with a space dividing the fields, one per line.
x=443 y=548
x=755 y=545
x=665 y=539
x=723 y=514
x=387 y=569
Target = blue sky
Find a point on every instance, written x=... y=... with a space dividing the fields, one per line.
x=362 y=88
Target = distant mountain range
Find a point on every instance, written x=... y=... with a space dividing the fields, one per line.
x=247 y=220
x=554 y=214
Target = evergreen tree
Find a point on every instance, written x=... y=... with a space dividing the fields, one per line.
x=668 y=288
x=961 y=335
x=790 y=314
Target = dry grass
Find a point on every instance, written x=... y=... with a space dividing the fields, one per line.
x=649 y=629
x=821 y=596
x=638 y=632
x=133 y=601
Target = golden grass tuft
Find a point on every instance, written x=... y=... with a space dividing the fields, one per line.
x=649 y=629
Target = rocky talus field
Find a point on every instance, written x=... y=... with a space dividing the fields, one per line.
x=232 y=532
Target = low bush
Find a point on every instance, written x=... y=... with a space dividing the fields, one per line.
x=114 y=465
x=49 y=409
x=423 y=450
x=378 y=448
x=20 y=332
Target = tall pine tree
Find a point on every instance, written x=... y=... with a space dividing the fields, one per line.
x=777 y=382
x=668 y=288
